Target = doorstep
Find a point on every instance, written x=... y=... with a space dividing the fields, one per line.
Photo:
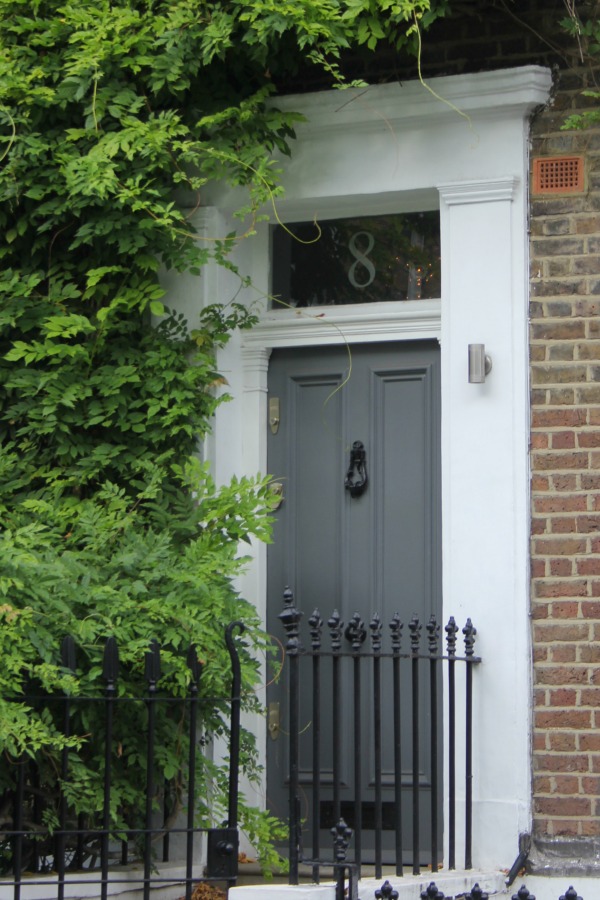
x=409 y=887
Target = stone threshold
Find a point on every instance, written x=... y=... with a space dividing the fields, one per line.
x=453 y=885
x=409 y=887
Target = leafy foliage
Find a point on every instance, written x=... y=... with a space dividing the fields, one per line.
x=583 y=27
x=109 y=111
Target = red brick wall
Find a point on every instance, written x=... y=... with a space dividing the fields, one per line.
x=565 y=485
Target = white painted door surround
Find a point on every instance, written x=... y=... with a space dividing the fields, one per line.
x=396 y=148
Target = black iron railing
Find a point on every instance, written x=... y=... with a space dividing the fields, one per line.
x=432 y=892
x=77 y=850
x=394 y=692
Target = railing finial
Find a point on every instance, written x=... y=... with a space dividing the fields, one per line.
x=386 y=892
x=342 y=834
x=451 y=630
x=431 y=892
x=315 y=624
x=290 y=619
x=375 y=626
x=476 y=893
x=469 y=632
x=414 y=626
x=523 y=892
x=571 y=894
x=433 y=634
x=396 y=627
x=335 y=626
x=356 y=632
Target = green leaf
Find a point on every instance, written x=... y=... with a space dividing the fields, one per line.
x=157 y=308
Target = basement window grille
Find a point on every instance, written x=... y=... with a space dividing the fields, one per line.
x=558 y=175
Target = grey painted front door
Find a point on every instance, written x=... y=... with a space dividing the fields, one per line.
x=379 y=552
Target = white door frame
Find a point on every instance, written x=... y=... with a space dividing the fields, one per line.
x=395 y=148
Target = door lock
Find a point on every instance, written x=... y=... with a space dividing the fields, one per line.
x=273 y=721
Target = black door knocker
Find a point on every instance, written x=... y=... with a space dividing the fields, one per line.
x=356 y=476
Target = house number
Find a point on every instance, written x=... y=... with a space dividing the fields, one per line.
x=361 y=260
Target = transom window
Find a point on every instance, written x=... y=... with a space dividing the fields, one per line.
x=365 y=259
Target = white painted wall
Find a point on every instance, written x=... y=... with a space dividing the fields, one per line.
x=399 y=148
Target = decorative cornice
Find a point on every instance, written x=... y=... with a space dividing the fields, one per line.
x=489 y=93
x=322 y=326
x=483 y=191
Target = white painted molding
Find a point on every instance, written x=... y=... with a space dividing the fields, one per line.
x=489 y=93
x=394 y=132
x=328 y=325
x=483 y=191
x=255 y=362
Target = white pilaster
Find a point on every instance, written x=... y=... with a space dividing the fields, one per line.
x=485 y=490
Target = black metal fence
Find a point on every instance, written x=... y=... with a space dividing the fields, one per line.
x=403 y=690
x=431 y=892
x=76 y=849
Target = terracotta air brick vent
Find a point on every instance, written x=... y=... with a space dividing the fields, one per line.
x=558 y=175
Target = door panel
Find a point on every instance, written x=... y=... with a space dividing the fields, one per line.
x=379 y=552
